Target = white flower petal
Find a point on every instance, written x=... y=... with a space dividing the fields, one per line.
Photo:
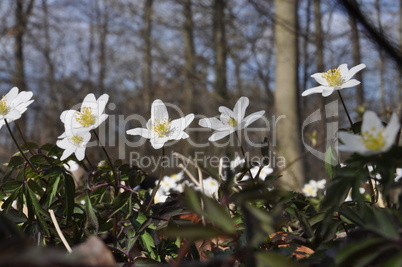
x=219 y=135
x=371 y=122
x=240 y=108
x=314 y=90
x=343 y=69
x=11 y=95
x=159 y=111
x=327 y=91
x=89 y=100
x=253 y=117
x=189 y=119
x=102 y=101
x=80 y=153
x=392 y=128
x=351 y=143
x=350 y=83
x=67 y=152
x=13 y=115
x=226 y=111
x=318 y=77
x=158 y=142
x=101 y=119
x=140 y=131
x=353 y=71
x=212 y=123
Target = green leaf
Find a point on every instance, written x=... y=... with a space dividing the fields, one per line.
x=269 y=259
x=42 y=160
x=148 y=244
x=92 y=220
x=69 y=190
x=29 y=146
x=40 y=213
x=119 y=202
x=331 y=160
x=211 y=210
x=15 y=161
x=53 y=189
x=9 y=201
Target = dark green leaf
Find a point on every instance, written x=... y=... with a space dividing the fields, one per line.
x=191 y=232
x=92 y=220
x=69 y=189
x=270 y=259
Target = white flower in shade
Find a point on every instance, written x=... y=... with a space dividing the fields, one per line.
x=309 y=190
x=230 y=121
x=177 y=177
x=334 y=79
x=13 y=105
x=349 y=196
x=167 y=184
x=160 y=128
x=90 y=115
x=266 y=170
x=398 y=174
x=74 y=143
x=211 y=186
x=236 y=162
x=374 y=138
x=160 y=196
x=318 y=184
x=72 y=166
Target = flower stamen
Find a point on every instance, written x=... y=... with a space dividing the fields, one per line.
x=373 y=141
x=85 y=117
x=232 y=122
x=162 y=127
x=333 y=77
x=3 y=106
x=77 y=140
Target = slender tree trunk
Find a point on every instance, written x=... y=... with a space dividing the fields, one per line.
x=287 y=93
x=382 y=59
x=189 y=56
x=356 y=54
x=319 y=43
x=220 y=49
x=103 y=27
x=21 y=20
x=400 y=49
x=147 y=57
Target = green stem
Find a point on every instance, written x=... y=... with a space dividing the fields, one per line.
x=346 y=110
x=23 y=138
x=159 y=182
x=19 y=148
x=116 y=182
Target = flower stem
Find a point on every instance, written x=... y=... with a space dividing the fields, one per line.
x=18 y=146
x=346 y=110
x=108 y=158
x=116 y=182
x=23 y=138
x=244 y=155
x=159 y=182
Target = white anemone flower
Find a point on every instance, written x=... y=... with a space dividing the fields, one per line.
x=211 y=186
x=398 y=174
x=90 y=115
x=334 y=79
x=160 y=128
x=374 y=138
x=13 y=105
x=309 y=190
x=230 y=120
x=74 y=143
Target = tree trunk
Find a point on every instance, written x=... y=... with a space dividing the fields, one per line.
x=399 y=88
x=287 y=93
x=189 y=57
x=220 y=49
x=21 y=20
x=147 y=57
x=103 y=27
x=356 y=56
x=382 y=59
x=319 y=43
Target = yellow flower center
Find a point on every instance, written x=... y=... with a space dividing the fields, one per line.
x=85 y=117
x=77 y=140
x=333 y=77
x=3 y=106
x=373 y=141
x=232 y=122
x=162 y=127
